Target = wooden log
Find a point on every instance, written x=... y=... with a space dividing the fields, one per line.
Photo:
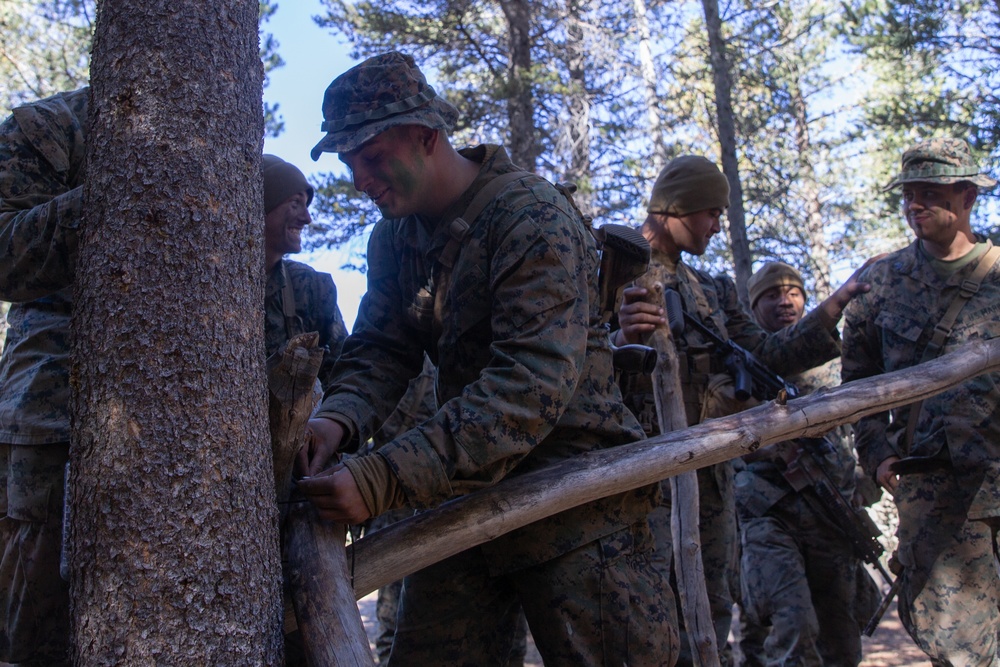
x=459 y=524
x=326 y=612
x=325 y=608
x=685 y=526
x=291 y=376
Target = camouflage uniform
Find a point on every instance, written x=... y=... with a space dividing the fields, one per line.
x=316 y=309
x=798 y=571
x=524 y=380
x=714 y=302
x=949 y=503
x=42 y=154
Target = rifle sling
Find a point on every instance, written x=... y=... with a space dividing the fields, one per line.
x=943 y=328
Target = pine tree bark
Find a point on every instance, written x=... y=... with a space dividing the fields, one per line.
x=174 y=543
x=727 y=140
x=524 y=149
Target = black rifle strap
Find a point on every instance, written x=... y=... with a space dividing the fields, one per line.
x=943 y=328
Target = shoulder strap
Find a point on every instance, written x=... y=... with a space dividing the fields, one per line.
x=943 y=328
x=292 y=323
x=458 y=230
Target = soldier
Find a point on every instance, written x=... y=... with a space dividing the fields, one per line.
x=42 y=156
x=688 y=199
x=297 y=299
x=798 y=569
x=492 y=272
x=940 y=457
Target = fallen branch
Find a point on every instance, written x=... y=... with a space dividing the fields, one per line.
x=459 y=524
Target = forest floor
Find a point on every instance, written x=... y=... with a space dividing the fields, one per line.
x=889 y=647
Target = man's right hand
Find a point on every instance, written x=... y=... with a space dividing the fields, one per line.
x=323 y=439
x=638 y=317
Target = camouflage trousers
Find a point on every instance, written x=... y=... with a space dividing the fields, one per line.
x=719 y=555
x=35 y=628
x=602 y=604
x=799 y=575
x=949 y=600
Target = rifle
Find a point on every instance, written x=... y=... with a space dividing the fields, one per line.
x=750 y=377
x=804 y=470
x=624 y=257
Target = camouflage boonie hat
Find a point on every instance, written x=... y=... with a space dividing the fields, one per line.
x=382 y=92
x=942 y=161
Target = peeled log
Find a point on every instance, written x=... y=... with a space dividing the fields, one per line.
x=414 y=543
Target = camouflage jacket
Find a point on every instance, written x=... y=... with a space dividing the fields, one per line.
x=315 y=298
x=887 y=329
x=42 y=157
x=759 y=480
x=713 y=300
x=524 y=366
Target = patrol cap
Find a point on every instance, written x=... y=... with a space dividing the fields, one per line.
x=773 y=274
x=941 y=161
x=281 y=181
x=687 y=184
x=382 y=92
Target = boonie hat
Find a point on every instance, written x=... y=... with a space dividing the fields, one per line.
x=281 y=181
x=688 y=184
x=941 y=161
x=382 y=92
x=773 y=274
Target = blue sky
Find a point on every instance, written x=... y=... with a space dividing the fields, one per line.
x=313 y=58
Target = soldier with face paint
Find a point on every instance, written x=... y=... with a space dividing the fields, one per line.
x=491 y=271
x=939 y=458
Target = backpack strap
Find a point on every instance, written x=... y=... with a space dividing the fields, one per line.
x=458 y=231
x=943 y=328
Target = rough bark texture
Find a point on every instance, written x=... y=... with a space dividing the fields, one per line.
x=175 y=542
x=727 y=141
x=414 y=543
x=685 y=528
x=521 y=99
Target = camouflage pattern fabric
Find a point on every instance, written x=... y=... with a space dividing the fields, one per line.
x=316 y=310
x=799 y=575
x=41 y=171
x=957 y=435
x=714 y=301
x=597 y=605
x=524 y=380
x=42 y=157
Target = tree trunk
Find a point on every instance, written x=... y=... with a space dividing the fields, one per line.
x=577 y=99
x=727 y=140
x=651 y=95
x=815 y=224
x=685 y=524
x=415 y=543
x=174 y=534
x=524 y=149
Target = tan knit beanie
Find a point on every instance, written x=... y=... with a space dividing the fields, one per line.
x=281 y=181
x=688 y=184
x=773 y=274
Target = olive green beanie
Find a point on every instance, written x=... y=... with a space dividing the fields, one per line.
x=688 y=184
x=773 y=274
x=281 y=181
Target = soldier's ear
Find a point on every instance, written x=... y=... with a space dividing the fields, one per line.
x=427 y=137
x=969 y=196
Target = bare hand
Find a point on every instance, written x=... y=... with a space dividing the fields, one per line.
x=638 y=317
x=335 y=494
x=887 y=479
x=833 y=306
x=323 y=438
